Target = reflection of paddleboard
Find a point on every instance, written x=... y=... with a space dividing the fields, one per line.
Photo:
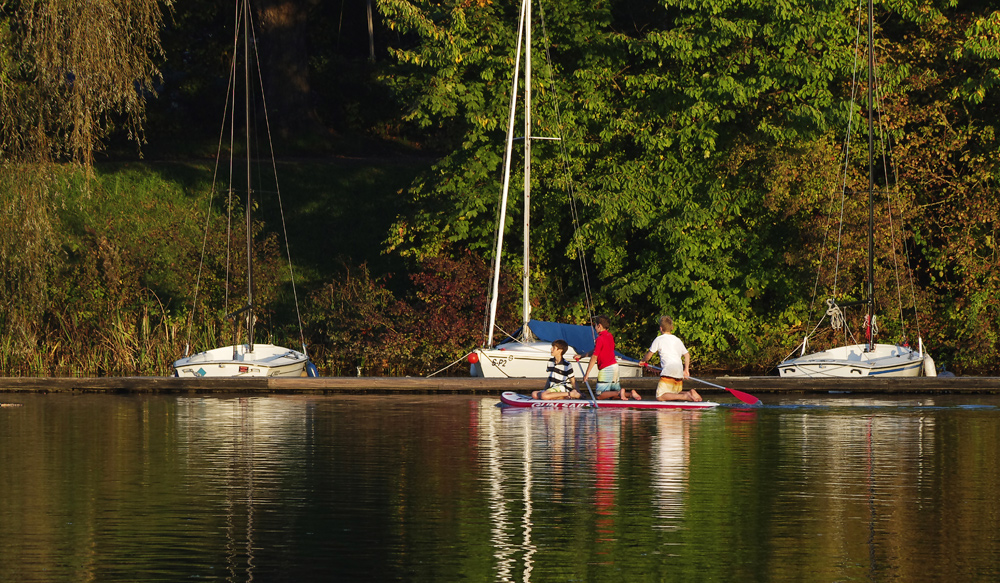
x=517 y=400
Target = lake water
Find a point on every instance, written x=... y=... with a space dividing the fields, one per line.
x=455 y=488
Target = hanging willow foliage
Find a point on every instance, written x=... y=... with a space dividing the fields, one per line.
x=71 y=70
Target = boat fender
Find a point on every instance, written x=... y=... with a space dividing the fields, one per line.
x=929 y=369
x=311 y=370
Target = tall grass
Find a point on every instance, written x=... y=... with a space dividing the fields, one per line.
x=94 y=271
x=97 y=269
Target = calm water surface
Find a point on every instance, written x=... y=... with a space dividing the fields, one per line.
x=455 y=488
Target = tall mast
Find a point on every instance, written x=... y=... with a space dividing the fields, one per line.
x=871 y=177
x=526 y=282
x=249 y=207
x=505 y=189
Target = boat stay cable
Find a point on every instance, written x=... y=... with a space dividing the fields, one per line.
x=244 y=22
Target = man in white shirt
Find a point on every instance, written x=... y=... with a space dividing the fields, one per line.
x=675 y=364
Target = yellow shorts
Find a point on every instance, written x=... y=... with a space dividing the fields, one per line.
x=668 y=385
x=557 y=389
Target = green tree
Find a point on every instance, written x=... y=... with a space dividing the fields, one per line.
x=68 y=69
x=703 y=145
x=696 y=111
x=948 y=143
x=672 y=115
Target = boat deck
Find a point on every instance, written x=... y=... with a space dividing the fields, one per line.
x=759 y=385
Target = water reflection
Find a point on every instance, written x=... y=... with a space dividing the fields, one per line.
x=606 y=451
x=545 y=464
x=239 y=502
x=432 y=488
x=671 y=451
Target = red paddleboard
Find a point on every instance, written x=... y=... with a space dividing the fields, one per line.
x=513 y=399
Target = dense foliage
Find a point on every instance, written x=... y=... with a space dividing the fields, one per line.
x=70 y=72
x=702 y=142
x=704 y=138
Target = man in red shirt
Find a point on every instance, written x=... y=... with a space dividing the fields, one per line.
x=603 y=355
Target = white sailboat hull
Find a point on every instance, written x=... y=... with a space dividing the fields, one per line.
x=266 y=360
x=887 y=360
x=530 y=360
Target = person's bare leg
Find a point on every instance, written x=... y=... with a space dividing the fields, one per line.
x=674 y=397
x=694 y=395
x=635 y=395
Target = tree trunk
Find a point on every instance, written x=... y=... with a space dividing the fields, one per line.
x=285 y=64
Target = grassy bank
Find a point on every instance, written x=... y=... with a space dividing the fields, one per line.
x=98 y=270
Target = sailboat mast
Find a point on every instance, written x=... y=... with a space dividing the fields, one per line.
x=249 y=207
x=525 y=284
x=871 y=177
x=505 y=189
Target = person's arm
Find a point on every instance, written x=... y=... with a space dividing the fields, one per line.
x=645 y=359
x=687 y=365
x=593 y=359
x=590 y=367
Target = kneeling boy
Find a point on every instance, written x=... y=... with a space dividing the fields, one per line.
x=675 y=364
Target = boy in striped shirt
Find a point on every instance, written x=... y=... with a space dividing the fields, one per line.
x=561 y=382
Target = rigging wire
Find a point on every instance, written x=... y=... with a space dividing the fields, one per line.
x=574 y=212
x=281 y=208
x=227 y=112
x=888 y=161
x=842 y=189
x=244 y=22
x=886 y=145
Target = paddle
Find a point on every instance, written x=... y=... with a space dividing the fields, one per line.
x=745 y=397
x=592 y=397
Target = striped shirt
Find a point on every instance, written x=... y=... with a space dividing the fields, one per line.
x=560 y=373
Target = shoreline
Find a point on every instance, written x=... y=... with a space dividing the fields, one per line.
x=480 y=386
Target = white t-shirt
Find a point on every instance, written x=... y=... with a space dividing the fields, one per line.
x=671 y=351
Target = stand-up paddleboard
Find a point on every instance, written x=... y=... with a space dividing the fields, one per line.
x=518 y=400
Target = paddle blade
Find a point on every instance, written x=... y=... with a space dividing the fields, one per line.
x=745 y=397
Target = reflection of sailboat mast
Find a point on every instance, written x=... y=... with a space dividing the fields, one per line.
x=242 y=466
x=529 y=548
x=502 y=549
x=872 y=512
x=502 y=527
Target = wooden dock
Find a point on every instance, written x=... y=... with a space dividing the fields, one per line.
x=479 y=386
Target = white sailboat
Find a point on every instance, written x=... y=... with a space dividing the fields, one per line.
x=248 y=358
x=867 y=358
x=527 y=353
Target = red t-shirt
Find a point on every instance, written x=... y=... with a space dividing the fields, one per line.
x=604 y=349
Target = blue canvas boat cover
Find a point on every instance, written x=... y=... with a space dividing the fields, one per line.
x=581 y=338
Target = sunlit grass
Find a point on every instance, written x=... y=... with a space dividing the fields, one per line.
x=100 y=268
